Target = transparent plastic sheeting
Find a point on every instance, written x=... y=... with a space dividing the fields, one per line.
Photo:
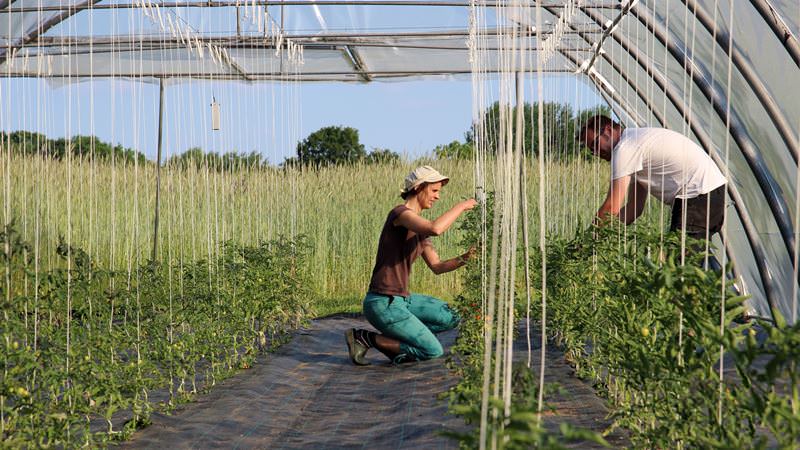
x=362 y=43
x=15 y=26
x=326 y=59
x=777 y=72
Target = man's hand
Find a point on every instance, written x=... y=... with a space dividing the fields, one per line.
x=615 y=199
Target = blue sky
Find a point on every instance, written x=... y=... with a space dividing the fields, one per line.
x=410 y=117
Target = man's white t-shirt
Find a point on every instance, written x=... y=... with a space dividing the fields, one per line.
x=665 y=162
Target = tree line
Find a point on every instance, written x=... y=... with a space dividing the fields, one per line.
x=334 y=145
x=561 y=123
x=36 y=144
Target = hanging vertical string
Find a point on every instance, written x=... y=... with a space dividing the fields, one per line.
x=729 y=87
x=542 y=215
x=6 y=148
x=491 y=281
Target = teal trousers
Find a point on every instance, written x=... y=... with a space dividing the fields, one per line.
x=413 y=321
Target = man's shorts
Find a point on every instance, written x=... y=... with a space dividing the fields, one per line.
x=701 y=210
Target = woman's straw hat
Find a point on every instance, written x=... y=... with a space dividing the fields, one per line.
x=420 y=175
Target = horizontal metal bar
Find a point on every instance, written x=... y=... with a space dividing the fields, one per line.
x=67 y=51
x=172 y=44
x=303 y=39
x=229 y=4
x=256 y=76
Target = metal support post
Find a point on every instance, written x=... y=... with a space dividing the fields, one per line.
x=158 y=164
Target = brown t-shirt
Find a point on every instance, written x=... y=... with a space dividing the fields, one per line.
x=398 y=247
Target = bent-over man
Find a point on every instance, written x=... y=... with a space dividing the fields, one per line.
x=661 y=162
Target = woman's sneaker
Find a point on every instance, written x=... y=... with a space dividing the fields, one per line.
x=356 y=349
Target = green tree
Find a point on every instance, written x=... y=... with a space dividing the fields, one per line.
x=454 y=150
x=230 y=161
x=331 y=145
x=30 y=143
x=560 y=125
x=382 y=156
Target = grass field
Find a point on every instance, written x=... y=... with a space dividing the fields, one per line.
x=87 y=346
x=108 y=211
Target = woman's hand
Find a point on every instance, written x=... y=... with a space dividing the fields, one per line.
x=468 y=204
x=462 y=259
x=469 y=254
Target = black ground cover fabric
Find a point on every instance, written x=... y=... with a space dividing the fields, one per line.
x=309 y=395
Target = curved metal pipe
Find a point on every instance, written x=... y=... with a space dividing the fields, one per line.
x=753 y=80
x=701 y=77
x=783 y=33
x=751 y=233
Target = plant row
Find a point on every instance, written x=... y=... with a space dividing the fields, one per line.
x=522 y=427
x=653 y=330
x=88 y=353
x=649 y=326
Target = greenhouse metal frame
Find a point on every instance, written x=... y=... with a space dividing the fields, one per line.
x=653 y=61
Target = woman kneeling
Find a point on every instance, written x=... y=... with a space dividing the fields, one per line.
x=407 y=322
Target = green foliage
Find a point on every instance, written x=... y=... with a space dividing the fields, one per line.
x=454 y=150
x=768 y=365
x=560 y=122
x=382 y=156
x=331 y=145
x=83 y=346
x=522 y=429
x=646 y=330
x=230 y=161
x=30 y=143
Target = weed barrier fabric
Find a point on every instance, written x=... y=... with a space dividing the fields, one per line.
x=309 y=395
x=574 y=401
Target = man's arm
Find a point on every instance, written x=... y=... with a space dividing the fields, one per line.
x=635 y=206
x=615 y=199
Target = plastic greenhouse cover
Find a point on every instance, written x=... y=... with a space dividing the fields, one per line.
x=744 y=103
x=16 y=26
x=752 y=116
x=739 y=170
x=377 y=39
x=759 y=46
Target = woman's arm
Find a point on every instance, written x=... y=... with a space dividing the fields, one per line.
x=439 y=267
x=425 y=227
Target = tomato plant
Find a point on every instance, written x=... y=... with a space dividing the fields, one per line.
x=88 y=351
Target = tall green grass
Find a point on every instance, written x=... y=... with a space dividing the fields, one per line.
x=341 y=209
